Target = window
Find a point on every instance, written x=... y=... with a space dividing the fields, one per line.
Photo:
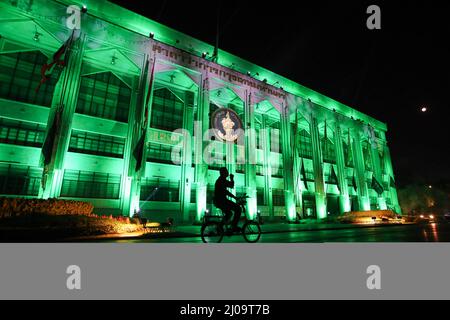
x=276 y=144
x=348 y=156
x=278 y=198
x=259 y=140
x=19 y=180
x=328 y=152
x=309 y=175
x=167 y=110
x=105 y=96
x=162 y=190
x=259 y=170
x=86 y=184
x=382 y=162
x=374 y=203
x=98 y=144
x=260 y=197
x=161 y=153
x=21 y=75
x=21 y=133
x=240 y=168
x=210 y=194
x=304 y=145
x=217 y=155
x=240 y=191
x=277 y=169
x=366 y=154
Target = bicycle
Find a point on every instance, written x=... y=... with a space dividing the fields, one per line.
x=214 y=227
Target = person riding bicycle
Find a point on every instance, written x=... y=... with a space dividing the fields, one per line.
x=222 y=202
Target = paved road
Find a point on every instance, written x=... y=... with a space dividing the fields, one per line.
x=404 y=233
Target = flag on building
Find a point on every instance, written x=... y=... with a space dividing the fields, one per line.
x=325 y=139
x=59 y=58
x=349 y=156
x=138 y=152
x=377 y=186
x=355 y=186
x=303 y=172
x=391 y=182
x=49 y=142
x=334 y=178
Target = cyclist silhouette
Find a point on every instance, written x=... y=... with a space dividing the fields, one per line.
x=222 y=202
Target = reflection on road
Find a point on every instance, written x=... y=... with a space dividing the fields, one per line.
x=432 y=232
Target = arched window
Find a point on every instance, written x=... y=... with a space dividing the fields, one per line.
x=105 y=96
x=167 y=110
x=304 y=145
x=20 y=76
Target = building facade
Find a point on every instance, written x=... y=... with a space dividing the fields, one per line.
x=130 y=115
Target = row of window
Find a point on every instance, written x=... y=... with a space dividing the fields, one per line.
x=20 y=180
x=85 y=184
x=21 y=133
x=97 y=144
x=21 y=75
x=160 y=190
x=23 y=180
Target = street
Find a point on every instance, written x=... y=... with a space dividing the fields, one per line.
x=434 y=232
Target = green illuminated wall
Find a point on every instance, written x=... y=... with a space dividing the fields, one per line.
x=103 y=90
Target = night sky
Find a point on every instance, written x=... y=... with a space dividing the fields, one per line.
x=388 y=74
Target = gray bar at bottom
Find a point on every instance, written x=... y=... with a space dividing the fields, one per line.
x=236 y=271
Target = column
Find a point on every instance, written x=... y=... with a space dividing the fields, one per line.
x=136 y=129
x=250 y=157
x=230 y=152
x=363 y=192
x=128 y=172
x=288 y=164
x=201 y=169
x=390 y=172
x=298 y=196
x=344 y=199
x=186 y=162
x=65 y=95
x=318 y=170
x=267 y=166
x=377 y=172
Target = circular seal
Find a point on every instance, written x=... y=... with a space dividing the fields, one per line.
x=227 y=125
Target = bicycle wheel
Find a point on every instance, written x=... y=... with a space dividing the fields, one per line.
x=251 y=231
x=212 y=232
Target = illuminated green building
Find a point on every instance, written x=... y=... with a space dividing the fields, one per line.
x=305 y=154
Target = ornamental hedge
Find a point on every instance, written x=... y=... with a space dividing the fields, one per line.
x=17 y=207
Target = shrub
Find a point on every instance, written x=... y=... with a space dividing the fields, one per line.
x=16 y=207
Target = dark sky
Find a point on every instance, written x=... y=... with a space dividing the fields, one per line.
x=388 y=74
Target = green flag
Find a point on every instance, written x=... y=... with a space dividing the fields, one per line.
x=391 y=182
x=303 y=172
x=355 y=186
x=377 y=186
x=139 y=149
x=49 y=143
x=334 y=178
